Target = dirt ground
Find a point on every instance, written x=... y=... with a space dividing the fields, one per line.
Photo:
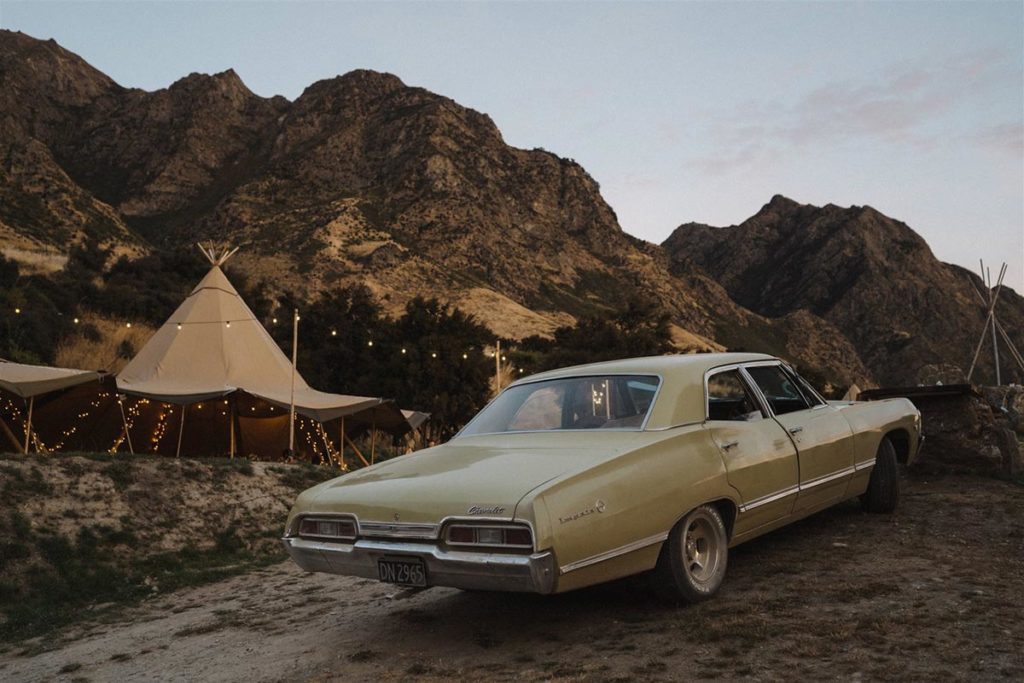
x=934 y=592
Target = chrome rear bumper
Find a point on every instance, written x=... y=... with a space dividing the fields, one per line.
x=458 y=569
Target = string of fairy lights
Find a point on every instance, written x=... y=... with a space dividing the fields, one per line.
x=319 y=443
x=403 y=350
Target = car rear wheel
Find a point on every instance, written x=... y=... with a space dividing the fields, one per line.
x=692 y=563
x=884 y=487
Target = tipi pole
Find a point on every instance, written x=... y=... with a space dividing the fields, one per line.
x=181 y=431
x=28 y=423
x=124 y=421
x=1002 y=332
x=341 y=442
x=10 y=435
x=995 y=343
x=295 y=360
x=991 y=312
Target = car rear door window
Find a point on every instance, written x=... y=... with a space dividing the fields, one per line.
x=779 y=389
x=728 y=398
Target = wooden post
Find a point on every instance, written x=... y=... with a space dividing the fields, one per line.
x=295 y=359
x=231 y=419
x=10 y=435
x=993 y=298
x=124 y=421
x=341 y=440
x=356 y=449
x=181 y=431
x=28 y=423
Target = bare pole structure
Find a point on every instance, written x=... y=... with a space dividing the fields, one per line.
x=1010 y=346
x=124 y=421
x=28 y=424
x=995 y=343
x=295 y=360
x=993 y=298
x=181 y=431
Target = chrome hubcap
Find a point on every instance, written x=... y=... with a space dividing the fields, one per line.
x=701 y=550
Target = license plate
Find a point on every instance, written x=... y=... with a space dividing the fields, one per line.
x=405 y=572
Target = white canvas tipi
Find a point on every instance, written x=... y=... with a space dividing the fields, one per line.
x=213 y=345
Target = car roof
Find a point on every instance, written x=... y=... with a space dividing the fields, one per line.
x=681 y=394
x=695 y=363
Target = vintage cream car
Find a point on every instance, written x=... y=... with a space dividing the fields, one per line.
x=582 y=475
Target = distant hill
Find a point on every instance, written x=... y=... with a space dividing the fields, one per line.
x=870 y=276
x=365 y=179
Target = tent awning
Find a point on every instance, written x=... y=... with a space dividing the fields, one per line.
x=32 y=380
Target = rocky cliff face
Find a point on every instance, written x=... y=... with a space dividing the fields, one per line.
x=363 y=178
x=871 y=277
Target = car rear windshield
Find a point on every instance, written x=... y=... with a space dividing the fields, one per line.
x=600 y=402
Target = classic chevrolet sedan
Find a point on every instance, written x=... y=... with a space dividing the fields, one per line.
x=586 y=474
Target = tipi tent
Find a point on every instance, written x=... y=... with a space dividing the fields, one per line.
x=213 y=347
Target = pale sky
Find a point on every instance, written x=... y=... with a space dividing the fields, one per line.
x=682 y=111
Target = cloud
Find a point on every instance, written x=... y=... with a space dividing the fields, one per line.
x=1003 y=138
x=909 y=103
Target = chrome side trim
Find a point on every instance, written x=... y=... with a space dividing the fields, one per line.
x=615 y=552
x=770 y=498
x=779 y=495
x=398 y=530
x=827 y=478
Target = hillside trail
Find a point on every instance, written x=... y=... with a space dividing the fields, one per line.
x=933 y=592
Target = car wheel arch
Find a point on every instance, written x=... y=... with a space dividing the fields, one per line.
x=900 y=440
x=726 y=507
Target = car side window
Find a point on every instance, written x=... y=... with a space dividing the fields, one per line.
x=805 y=388
x=779 y=389
x=728 y=398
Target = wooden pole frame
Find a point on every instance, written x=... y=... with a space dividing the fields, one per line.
x=295 y=360
x=10 y=435
x=181 y=430
x=28 y=424
x=993 y=299
x=1011 y=347
x=124 y=421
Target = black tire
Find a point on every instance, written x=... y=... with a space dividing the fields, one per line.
x=883 y=492
x=693 y=560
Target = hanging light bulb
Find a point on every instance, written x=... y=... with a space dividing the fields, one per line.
x=464 y=356
x=433 y=355
x=369 y=343
x=17 y=311
x=179 y=326
x=128 y=325
x=334 y=333
x=274 y=321
x=403 y=350
x=228 y=324
x=76 y=321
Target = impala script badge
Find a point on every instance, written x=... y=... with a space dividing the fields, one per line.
x=598 y=507
x=485 y=510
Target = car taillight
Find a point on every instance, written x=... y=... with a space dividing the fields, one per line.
x=490 y=535
x=326 y=528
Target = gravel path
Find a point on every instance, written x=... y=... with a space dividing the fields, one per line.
x=935 y=592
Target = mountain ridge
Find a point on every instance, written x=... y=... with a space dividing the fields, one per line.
x=362 y=178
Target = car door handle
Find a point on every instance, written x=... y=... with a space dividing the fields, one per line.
x=730 y=444
x=796 y=430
